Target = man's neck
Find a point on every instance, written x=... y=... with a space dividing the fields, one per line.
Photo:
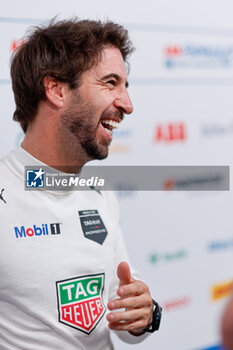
x=45 y=147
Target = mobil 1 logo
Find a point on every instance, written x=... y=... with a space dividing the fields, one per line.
x=93 y=226
x=80 y=301
x=37 y=230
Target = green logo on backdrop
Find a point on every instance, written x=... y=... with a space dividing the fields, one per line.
x=156 y=257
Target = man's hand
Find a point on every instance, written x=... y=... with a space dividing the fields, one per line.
x=135 y=298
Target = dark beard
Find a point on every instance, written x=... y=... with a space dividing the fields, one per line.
x=79 y=131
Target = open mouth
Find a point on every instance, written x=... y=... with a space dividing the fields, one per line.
x=109 y=125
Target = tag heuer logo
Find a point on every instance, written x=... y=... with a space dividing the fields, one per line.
x=93 y=226
x=80 y=302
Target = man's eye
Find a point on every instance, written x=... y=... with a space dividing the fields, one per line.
x=111 y=82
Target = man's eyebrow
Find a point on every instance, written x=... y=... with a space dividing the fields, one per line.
x=115 y=76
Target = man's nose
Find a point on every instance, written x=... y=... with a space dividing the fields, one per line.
x=124 y=103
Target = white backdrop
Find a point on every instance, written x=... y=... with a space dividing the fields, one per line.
x=181 y=83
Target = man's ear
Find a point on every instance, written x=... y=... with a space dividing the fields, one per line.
x=54 y=91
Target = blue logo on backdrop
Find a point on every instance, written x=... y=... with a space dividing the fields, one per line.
x=198 y=56
x=220 y=245
x=217 y=347
x=122 y=134
x=35 y=178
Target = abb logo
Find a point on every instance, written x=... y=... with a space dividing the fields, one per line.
x=170 y=132
x=16 y=43
x=173 y=50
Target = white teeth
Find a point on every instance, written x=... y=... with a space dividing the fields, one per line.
x=108 y=131
x=111 y=122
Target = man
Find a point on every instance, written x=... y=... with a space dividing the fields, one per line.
x=227 y=326
x=58 y=278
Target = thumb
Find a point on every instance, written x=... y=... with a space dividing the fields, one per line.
x=123 y=273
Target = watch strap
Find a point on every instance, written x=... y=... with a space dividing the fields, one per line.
x=156 y=318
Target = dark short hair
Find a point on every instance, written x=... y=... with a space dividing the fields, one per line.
x=62 y=50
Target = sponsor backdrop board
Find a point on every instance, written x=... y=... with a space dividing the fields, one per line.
x=181 y=83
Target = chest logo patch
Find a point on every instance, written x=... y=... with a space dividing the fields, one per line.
x=80 y=302
x=93 y=226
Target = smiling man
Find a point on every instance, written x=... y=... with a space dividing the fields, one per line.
x=65 y=276
x=87 y=114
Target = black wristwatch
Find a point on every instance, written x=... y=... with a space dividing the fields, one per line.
x=156 y=318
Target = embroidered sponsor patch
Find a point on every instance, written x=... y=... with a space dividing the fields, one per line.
x=80 y=301
x=93 y=226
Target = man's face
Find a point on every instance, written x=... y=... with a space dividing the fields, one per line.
x=97 y=107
